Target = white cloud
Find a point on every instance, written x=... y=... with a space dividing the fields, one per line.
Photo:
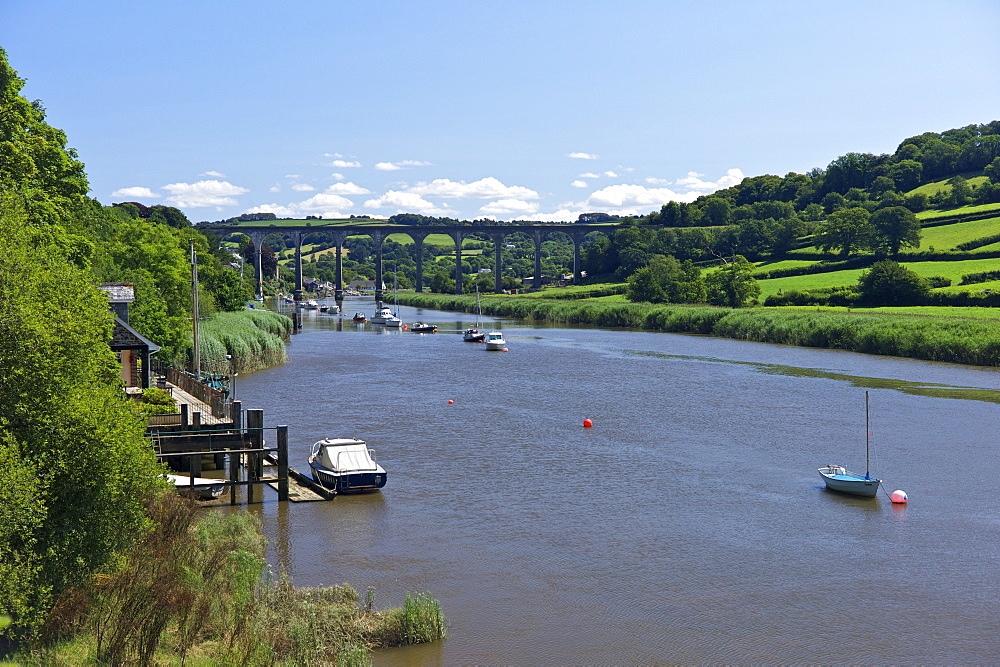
x=562 y=215
x=405 y=202
x=484 y=188
x=582 y=156
x=214 y=174
x=610 y=174
x=277 y=209
x=344 y=164
x=204 y=193
x=509 y=206
x=274 y=188
x=291 y=176
x=303 y=187
x=396 y=166
x=347 y=189
x=635 y=197
x=693 y=181
x=136 y=192
x=333 y=155
x=579 y=184
x=325 y=202
x=590 y=175
x=337 y=177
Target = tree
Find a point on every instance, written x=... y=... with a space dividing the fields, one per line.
x=715 y=211
x=992 y=171
x=960 y=193
x=906 y=174
x=847 y=230
x=889 y=283
x=732 y=284
x=666 y=280
x=66 y=422
x=895 y=227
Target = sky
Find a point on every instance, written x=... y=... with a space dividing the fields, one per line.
x=509 y=110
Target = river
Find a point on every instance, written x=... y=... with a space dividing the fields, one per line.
x=688 y=525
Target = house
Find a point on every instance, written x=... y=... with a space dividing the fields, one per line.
x=132 y=348
x=362 y=285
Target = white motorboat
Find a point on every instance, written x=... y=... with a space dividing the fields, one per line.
x=495 y=341
x=346 y=465
x=382 y=315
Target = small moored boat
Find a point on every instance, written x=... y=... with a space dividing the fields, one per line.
x=495 y=341
x=382 y=315
x=421 y=327
x=360 y=317
x=346 y=465
x=473 y=336
x=838 y=478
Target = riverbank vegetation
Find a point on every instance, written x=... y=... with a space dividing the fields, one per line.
x=100 y=561
x=196 y=588
x=254 y=339
x=963 y=340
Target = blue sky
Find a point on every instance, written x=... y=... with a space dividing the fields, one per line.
x=501 y=109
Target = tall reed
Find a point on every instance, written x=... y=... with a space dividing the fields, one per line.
x=254 y=339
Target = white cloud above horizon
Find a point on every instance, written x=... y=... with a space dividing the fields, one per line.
x=348 y=188
x=137 y=192
x=582 y=156
x=396 y=166
x=484 y=188
x=344 y=164
x=204 y=193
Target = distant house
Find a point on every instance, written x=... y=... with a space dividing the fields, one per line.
x=362 y=285
x=132 y=348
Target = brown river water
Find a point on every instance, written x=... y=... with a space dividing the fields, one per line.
x=688 y=525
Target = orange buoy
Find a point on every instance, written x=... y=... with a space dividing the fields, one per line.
x=587 y=423
x=899 y=497
x=450 y=402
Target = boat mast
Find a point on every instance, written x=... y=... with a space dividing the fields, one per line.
x=867 y=435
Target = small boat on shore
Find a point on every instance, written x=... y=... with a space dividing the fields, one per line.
x=421 y=327
x=346 y=465
x=495 y=341
x=838 y=478
x=197 y=488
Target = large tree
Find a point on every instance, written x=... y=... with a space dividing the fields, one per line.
x=889 y=283
x=846 y=230
x=895 y=227
x=732 y=284
x=74 y=463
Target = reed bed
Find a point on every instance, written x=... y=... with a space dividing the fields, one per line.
x=255 y=339
x=197 y=590
x=935 y=338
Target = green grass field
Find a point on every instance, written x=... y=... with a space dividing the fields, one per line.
x=946 y=237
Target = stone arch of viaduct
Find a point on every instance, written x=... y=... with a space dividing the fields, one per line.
x=378 y=233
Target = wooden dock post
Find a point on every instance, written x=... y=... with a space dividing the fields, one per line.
x=255 y=436
x=282 y=462
x=184 y=414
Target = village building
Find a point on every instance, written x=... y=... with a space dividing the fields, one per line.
x=132 y=348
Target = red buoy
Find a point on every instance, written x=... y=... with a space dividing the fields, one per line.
x=899 y=497
x=587 y=423
x=450 y=402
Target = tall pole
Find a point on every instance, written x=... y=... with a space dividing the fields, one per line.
x=194 y=305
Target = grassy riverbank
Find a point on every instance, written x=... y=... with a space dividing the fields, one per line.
x=962 y=340
x=196 y=590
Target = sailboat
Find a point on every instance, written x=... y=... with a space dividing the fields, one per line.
x=474 y=335
x=394 y=320
x=838 y=478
